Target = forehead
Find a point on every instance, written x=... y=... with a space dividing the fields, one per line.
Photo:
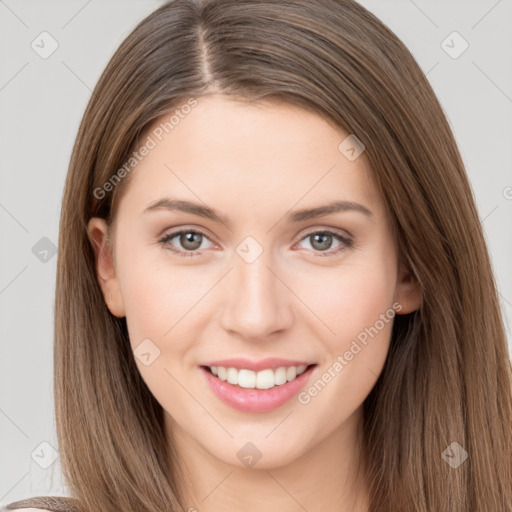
x=229 y=152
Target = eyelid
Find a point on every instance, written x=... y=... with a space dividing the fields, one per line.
x=345 y=237
x=177 y=229
x=307 y=231
x=164 y=239
x=319 y=228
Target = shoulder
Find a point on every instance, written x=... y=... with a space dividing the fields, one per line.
x=44 y=504
x=31 y=509
x=21 y=508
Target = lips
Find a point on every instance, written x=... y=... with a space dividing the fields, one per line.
x=262 y=395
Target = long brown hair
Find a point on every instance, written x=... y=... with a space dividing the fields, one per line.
x=447 y=377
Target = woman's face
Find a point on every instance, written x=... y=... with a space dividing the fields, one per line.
x=257 y=275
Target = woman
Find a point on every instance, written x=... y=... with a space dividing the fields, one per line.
x=273 y=286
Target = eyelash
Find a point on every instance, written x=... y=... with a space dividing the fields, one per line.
x=347 y=243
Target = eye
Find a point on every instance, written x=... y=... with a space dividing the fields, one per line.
x=190 y=240
x=322 y=241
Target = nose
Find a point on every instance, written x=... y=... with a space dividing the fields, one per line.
x=257 y=302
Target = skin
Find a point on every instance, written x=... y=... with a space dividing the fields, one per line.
x=255 y=163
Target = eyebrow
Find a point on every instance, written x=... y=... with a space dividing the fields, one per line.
x=295 y=216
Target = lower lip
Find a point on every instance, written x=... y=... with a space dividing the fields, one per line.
x=256 y=400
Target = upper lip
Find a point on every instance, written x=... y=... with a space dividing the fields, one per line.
x=256 y=365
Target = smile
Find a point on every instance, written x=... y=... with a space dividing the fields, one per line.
x=264 y=379
x=257 y=389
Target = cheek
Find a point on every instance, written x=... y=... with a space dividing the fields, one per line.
x=165 y=315
x=359 y=310
x=159 y=314
x=350 y=298
x=155 y=297
x=367 y=295
x=361 y=316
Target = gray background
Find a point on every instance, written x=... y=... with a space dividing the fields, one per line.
x=42 y=101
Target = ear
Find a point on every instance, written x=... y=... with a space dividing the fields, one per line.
x=105 y=269
x=408 y=291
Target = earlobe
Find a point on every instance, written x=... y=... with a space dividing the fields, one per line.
x=105 y=268
x=408 y=291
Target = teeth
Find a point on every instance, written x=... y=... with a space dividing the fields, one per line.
x=232 y=376
x=264 y=379
x=246 y=378
x=291 y=373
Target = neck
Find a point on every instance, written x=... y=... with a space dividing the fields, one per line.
x=328 y=476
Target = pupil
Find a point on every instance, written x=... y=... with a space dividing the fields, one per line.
x=187 y=240
x=322 y=245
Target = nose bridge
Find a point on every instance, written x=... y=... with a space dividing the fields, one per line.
x=256 y=301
